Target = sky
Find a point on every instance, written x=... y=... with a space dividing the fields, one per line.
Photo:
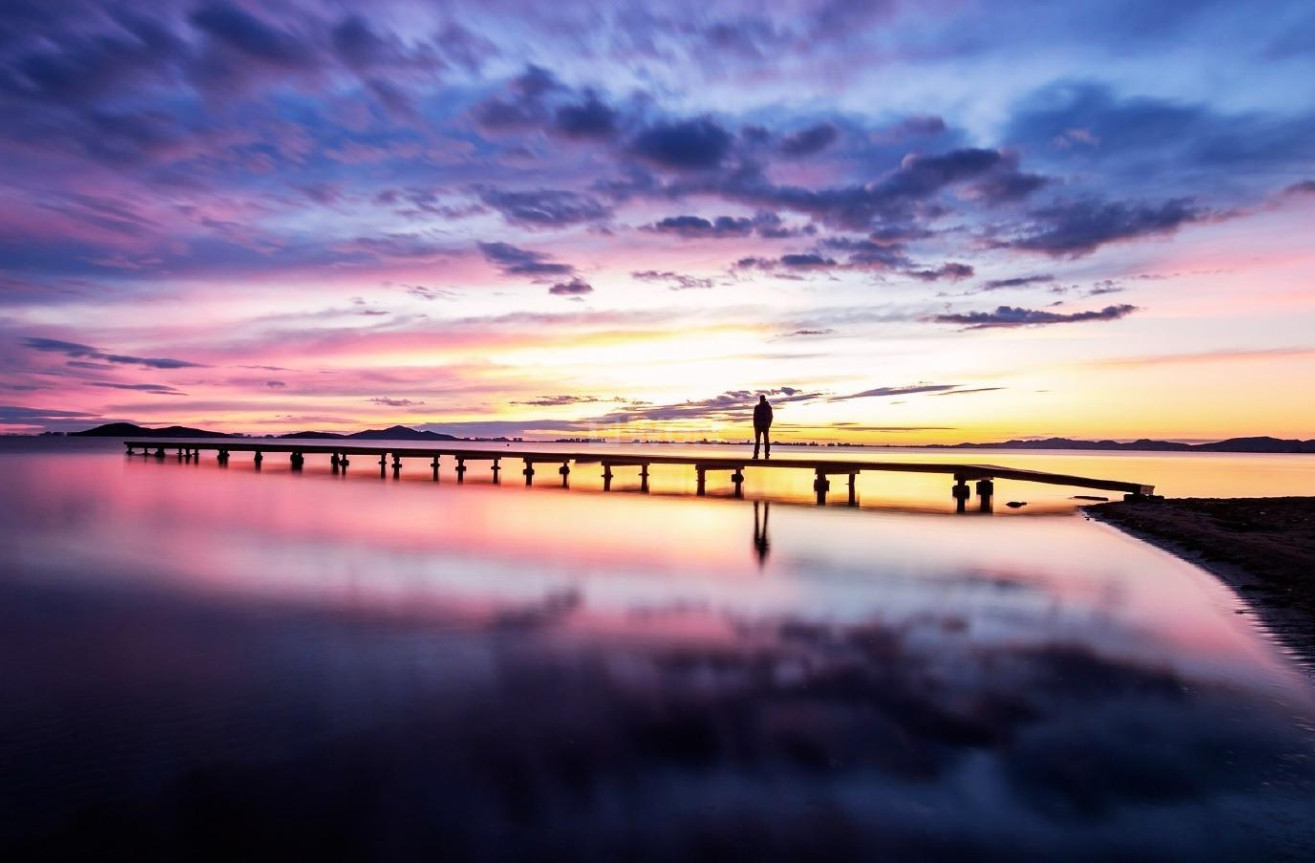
x=902 y=222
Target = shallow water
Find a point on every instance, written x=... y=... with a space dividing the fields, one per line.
x=246 y=664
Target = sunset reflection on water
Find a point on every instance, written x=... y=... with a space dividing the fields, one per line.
x=303 y=662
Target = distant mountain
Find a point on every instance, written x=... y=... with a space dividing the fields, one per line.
x=1239 y=444
x=131 y=430
x=310 y=434
x=399 y=433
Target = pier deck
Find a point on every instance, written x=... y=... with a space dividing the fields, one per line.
x=984 y=475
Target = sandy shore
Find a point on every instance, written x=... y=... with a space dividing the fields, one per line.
x=1263 y=547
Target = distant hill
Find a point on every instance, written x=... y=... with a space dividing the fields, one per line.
x=131 y=430
x=310 y=434
x=399 y=433
x=1238 y=444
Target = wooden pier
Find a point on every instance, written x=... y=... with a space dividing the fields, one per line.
x=982 y=475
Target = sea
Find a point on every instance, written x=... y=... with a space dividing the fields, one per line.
x=206 y=661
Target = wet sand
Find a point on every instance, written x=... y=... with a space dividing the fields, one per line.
x=1262 y=547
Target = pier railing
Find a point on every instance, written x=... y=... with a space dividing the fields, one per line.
x=391 y=456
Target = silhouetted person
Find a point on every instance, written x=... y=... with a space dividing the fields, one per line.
x=762 y=426
x=760 y=531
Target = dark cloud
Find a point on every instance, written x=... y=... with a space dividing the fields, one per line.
x=799 y=261
x=693 y=227
x=574 y=288
x=1305 y=187
x=951 y=271
x=515 y=261
x=971 y=390
x=1016 y=282
x=675 y=281
x=1085 y=125
x=685 y=145
x=809 y=141
x=589 y=119
x=765 y=224
x=870 y=254
x=804 y=333
x=558 y=401
x=77 y=351
x=902 y=197
x=1077 y=228
x=545 y=208
x=250 y=36
x=154 y=389
x=730 y=406
x=1010 y=316
x=395 y=403
x=888 y=392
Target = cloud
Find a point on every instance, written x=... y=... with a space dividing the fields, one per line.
x=810 y=141
x=675 y=281
x=810 y=332
x=560 y=400
x=75 y=350
x=545 y=208
x=590 y=119
x=952 y=271
x=1305 y=187
x=732 y=406
x=1010 y=316
x=1077 y=228
x=686 y=145
x=395 y=403
x=1016 y=282
x=765 y=224
x=696 y=227
x=250 y=36
x=889 y=392
x=154 y=389
x=574 y=288
x=515 y=261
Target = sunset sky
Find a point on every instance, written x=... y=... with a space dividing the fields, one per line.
x=905 y=222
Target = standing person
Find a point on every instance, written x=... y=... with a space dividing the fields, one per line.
x=762 y=425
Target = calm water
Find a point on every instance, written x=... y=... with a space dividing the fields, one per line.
x=207 y=662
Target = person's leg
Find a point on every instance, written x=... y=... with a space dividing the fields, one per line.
x=757 y=436
x=767 y=443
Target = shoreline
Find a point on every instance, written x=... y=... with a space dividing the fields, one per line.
x=1248 y=544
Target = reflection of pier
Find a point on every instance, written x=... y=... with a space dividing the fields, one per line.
x=982 y=475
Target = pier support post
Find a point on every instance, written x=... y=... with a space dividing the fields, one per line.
x=497 y=472
x=129 y=450
x=643 y=478
x=343 y=462
x=607 y=477
x=180 y=453
x=159 y=452
x=565 y=471
x=461 y=470
x=383 y=465
x=333 y=462
x=853 y=492
x=529 y=473
x=298 y=461
x=738 y=479
x=960 y=493
x=701 y=489
x=433 y=466
x=258 y=459
x=821 y=485
x=222 y=458
x=397 y=465
x=985 y=491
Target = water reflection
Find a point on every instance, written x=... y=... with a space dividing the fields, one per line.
x=761 y=546
x=284 y=665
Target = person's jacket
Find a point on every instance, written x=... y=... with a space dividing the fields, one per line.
x=762 y=415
